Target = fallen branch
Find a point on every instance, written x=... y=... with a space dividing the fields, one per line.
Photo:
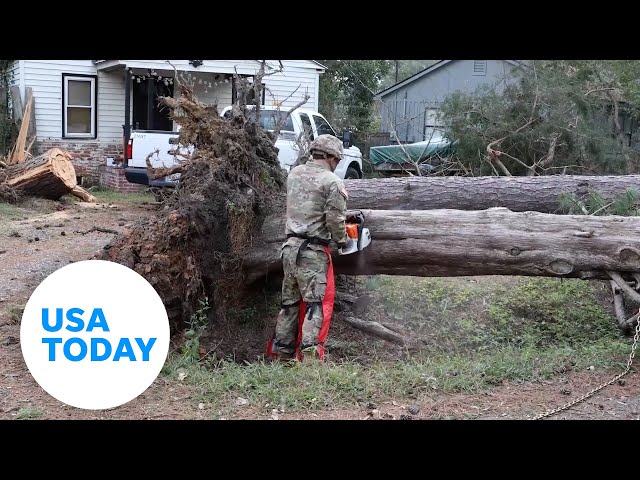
x=98 y=229
x=493 y=154
x=377 y=329
x=80 y=192
x=154 y=172
x=618 y=303
x=282 y=121
x=615 y=276
x=165 y=172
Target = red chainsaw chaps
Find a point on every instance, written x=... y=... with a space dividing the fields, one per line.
x=327 y=313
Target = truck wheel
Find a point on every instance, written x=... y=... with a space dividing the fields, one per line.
x=352 y=173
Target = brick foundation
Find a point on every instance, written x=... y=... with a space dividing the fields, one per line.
x=88 y=156
x=113 y=178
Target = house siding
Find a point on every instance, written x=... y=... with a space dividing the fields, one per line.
x=403 y=109
x=297 y=74
x=45 y=78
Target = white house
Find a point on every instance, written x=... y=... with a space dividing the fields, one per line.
x=80 y=105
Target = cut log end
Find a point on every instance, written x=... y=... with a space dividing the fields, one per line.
x=64 y=169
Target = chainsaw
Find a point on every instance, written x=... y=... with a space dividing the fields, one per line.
x=357 y=232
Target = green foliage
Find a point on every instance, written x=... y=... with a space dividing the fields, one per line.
x=346 y=95
x=540 y=312
x=29 y=413
x=627 y=204
x=8 y=129
x=555 y=117
x=190 y=350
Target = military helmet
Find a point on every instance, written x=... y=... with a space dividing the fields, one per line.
x=327 y=144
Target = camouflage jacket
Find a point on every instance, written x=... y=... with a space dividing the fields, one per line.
x=316 y=203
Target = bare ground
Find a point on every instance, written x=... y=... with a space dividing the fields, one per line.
x=40 y=239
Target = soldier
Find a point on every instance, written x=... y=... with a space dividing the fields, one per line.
x=316 y=214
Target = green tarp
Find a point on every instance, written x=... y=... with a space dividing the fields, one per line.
x=411 y=152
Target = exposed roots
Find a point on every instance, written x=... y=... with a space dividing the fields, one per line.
x=194 y=247
x=7 y=193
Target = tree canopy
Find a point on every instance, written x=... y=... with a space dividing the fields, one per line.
x=347 y=88
x=556 y=116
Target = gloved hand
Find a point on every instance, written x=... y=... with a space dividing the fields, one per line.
x=349 y=246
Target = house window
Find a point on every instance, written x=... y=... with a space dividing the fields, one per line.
x=79 y=106
x=479 y=67
x=433 y=125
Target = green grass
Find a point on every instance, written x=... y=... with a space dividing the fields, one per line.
x=110 y=196
x=494 y=332
x=315 y=386
x=15 y=313
x=29 y=413
x=9 y=211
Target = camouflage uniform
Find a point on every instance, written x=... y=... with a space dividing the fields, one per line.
x=316 y=209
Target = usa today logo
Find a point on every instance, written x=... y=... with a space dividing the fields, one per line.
x=94 y=334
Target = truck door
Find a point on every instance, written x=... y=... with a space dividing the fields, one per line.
x=307 y=127
x=322 y=126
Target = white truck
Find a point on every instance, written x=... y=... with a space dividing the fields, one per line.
x=144 y=142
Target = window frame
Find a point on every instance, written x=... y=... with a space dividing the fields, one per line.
x=311 y=129
x=93 y=80
x=314 y=116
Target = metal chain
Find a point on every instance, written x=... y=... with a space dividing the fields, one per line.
x=614 y=379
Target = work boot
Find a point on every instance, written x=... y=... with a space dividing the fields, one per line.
x=287 y=358
x=311 y=354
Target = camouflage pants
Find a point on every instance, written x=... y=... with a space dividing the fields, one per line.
x=305 y=281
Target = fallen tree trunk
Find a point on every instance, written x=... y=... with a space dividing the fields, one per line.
x=447 y=243
x=519 y=194
x=50 y=175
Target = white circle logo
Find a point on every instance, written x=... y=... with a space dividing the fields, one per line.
x=94 y=334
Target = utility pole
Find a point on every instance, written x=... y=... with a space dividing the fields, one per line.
x=396 y=70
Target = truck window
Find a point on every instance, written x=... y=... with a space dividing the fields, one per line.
x=322 y=127
x=269 y=120
x=306 y=125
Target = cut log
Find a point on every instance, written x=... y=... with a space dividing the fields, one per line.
x=519 y=194
x=50 y=175
x=497 y=241
x=80 y=192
